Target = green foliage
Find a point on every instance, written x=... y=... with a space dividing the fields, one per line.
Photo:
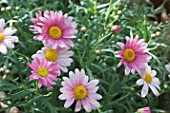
x=120 y=93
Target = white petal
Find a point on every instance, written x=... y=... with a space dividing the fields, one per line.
x=167 y=66
x=8 y=31
x=2 y=24
x=3 y=49
x=62 y=97
x=154 y=90
x=11 y=38
x=144 y=90
x=92 y=83
x=140 y=82
x=153 y=73
x=94 y=96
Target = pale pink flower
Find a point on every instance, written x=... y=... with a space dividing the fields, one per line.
x=148 y=79
x=133 y=54
x=6 y=40
x=57 y=29
x=144 y=110
x=46 y=72
x=77 y=87
x=167 y=66
x=57 y=54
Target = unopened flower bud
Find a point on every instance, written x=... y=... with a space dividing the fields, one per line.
x=1 y=69
x=2 y=9
x=10 y=64
x=153 y=35
x=83 y=29
x=158 y=33
x=8 y=8
x=79 y=40
x=4 y=76
x=155 y=23
x=115 y=29
x=119 y=4
x=133 y=90
x=15 y=110
x=119 y=12
x=98 y=52
x=144 y=110
x=17 y=7
x=7 y=71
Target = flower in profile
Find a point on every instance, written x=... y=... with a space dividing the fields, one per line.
x=115 y=29
x=57 y=54
x=6 y=40
x=144 y=110
x=148 y=79
x=77 y=87
x=38 y=23
x=133 y=54
x=56 y=28
x=43 y=70
x=167 y=66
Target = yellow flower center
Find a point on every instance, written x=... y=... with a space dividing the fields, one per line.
x=42 y=71
x=80 y=92
x=129 y=55
x=42 y=27
x=55 y=32
x=148 y=77
x=51 y=55
x=1 y=37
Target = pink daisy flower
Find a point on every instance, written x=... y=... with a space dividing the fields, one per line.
x=57 y=28
x=133 y=54
x=148 y=79
x=45 y=71
x=167 y=66
x=77 y=87
x=6 y=40
x=57 y=54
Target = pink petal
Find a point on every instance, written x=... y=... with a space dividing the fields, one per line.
x=78 y=106
x=69 y=102
x=86 y=106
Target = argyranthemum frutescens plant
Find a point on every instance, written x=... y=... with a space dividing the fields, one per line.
x=119 y=73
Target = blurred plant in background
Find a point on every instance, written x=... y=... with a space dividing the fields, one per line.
x=100 y=24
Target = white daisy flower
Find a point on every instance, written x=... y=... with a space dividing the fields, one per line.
x=6 y=40
x=55 y=53
x=148 y=79
x=167 y=66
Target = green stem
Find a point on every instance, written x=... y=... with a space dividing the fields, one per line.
x=20 y=54
x=101 y=40
x=120 y=98
x=108 y=10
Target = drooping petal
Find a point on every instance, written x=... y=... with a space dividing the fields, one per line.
x=144 y=90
